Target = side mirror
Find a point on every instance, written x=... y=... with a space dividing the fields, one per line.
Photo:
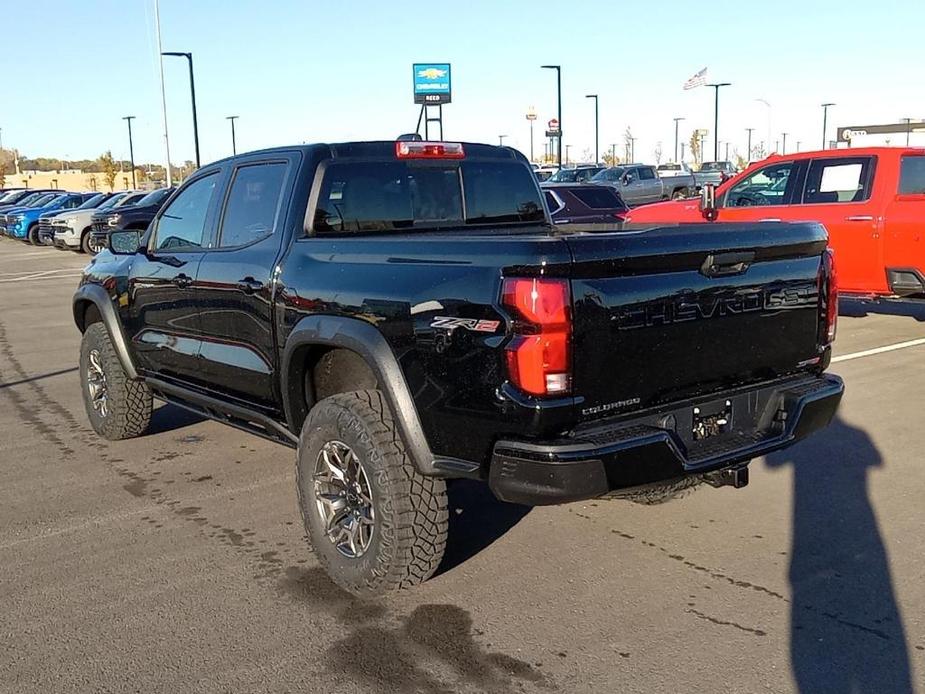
x=708 y=203
x=124 y=242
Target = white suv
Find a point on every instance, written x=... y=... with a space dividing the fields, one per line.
x=72 y=229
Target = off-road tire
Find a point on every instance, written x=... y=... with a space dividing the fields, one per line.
x=411 y=518
x=129 y=402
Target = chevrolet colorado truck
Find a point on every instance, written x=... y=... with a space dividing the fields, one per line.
x=404 y=313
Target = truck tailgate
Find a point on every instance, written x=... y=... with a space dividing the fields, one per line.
x=675 y=312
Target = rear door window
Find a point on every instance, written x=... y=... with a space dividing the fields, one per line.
x=253 y=201
x=912 y=175
x=646 y=173
x=843 y=179
x=375 y=196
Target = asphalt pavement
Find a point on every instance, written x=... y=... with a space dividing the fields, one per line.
x=176 y=562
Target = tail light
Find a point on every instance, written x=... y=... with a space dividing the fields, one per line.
x=830 y=294
x=538 y=357
x=429 y=150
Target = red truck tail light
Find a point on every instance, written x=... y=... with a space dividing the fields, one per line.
x=417 y=149
x=538 y=357
x=830 y=287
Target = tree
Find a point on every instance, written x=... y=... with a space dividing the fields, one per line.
x=695 y=147
x=109 y=169
x=587 y=155
x=610 y=159
x=741 y=162
x=658 y=153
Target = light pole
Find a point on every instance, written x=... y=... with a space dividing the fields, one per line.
x=783 y=143
x=531 y=116
x=234 y=147
x=613 y=154
x=501 y=140
x=597 y=139
x=567 y=148
x=131 y=149
x=726 y=158
x=558 y=69
x=825 y=121
x=160 y=67
x=907 y=121
x=799 y=142
x=749 y=131
x=682 y=152
x=768 y=106
x=192 y=89
x=716 y=86
x=677 y=120
x=632 y=149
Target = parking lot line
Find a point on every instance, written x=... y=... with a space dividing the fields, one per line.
x=879 y=350
x=34 y=277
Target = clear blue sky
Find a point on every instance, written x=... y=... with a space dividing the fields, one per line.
x=326 y=71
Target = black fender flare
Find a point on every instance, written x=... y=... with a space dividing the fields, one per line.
x=365 y=340
x=96 y=295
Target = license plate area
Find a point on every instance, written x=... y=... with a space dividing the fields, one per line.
x=712 y=419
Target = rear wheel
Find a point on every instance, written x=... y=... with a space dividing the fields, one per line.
x=375 y=522
x=678 y=194
x=117 y=407
x=32 y=235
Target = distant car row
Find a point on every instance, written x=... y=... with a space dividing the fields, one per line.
x=639 y=184
x=75 y=221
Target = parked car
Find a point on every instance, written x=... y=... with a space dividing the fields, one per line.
x=9 y=218
x=598 y=207
x=72 y=230
x=717 y=172
x=639 y=184
x=545 y=171
x=48 y=220
x=25 y=223
x=577 y=174
x=134 y=216
x=24 y=198
x=343 y=300
x=872 y=201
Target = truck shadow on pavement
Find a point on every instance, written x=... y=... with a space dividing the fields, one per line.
x=857 y=308
x=169 y=417
x=477 y=519
x=846 y=633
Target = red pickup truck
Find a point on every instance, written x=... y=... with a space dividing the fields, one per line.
x=872 y=201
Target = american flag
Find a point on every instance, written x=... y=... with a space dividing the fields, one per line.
x=697 y=80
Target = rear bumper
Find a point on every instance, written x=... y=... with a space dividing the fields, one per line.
x=658 y=445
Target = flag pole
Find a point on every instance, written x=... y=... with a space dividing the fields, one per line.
x=160 y=62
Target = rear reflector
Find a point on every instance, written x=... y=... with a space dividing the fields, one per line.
x=538 y=355
x=429 y=150
x=830 y=294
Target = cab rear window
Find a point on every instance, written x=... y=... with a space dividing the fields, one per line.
x=358 y=197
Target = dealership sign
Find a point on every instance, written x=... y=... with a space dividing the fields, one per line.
x=432 y=83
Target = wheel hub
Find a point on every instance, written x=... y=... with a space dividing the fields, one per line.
x=343 y=499
x=96 y=383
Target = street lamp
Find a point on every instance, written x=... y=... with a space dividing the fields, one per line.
x=908 y=122
x=632 y=149
x=768 y=106
x=558 y=69
x=677 y=120
x=192 y=89
x=825 y=121
x=567 y=148
x=716 y=86
x=613 y=154
x=501 y=140
x=749 y=131
x=597 y=139
x=234 y=148
x=784 y=143
x=531 y=116
x=131 y=149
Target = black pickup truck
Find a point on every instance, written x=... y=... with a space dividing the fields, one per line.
x=404 y=313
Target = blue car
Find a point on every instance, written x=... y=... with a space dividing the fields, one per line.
x=24 y=224
x=36 y=200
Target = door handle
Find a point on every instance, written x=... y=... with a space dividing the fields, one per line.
x=183 y=280
x=249 y=285
x=860 y=218
x=770 y=219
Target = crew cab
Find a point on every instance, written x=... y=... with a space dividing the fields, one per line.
x=133 y=216
x=638 y=184
x=405 y=312
x=871 y=201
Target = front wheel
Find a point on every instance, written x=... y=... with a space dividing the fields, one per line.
x=117 y=407
x=375 y=522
